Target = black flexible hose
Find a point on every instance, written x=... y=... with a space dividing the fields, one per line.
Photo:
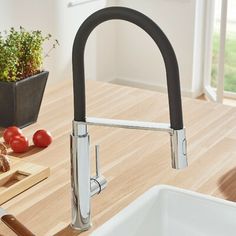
x=151 y=28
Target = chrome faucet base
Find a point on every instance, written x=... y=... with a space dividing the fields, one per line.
x=80 y=230
x=82 y=185
x=80 y=178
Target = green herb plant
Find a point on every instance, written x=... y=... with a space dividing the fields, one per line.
x=21 y=53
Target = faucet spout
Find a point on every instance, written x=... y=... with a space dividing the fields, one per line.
x=83 y=185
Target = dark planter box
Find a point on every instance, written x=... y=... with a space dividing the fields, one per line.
x=20 y=101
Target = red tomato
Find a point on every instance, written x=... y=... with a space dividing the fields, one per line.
x=10 y=132
x=42 y=138
x=19 y=144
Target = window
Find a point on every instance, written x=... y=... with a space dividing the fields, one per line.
x=220 y=71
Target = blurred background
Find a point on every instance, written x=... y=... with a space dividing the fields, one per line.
x=119 y=52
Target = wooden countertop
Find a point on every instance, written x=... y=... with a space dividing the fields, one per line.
x=133 y=161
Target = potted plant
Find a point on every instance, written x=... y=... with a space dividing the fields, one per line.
x=22 y=80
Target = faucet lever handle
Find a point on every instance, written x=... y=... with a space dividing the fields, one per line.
x=97 y=161
x=98 y=182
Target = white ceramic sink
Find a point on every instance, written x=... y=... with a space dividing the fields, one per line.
x=169 y=211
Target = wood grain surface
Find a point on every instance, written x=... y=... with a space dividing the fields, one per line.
x=133 y=161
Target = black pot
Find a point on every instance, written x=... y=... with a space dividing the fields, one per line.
x=20 y=101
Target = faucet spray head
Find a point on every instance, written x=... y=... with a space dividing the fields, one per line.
x=179 y=149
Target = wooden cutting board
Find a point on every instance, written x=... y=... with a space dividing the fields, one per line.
x=21 y=176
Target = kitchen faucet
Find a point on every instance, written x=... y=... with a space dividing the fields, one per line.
x=83 y=185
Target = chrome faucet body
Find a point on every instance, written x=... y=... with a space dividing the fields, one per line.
x=83 y=186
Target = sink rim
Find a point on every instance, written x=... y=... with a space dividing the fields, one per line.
x=151 y=193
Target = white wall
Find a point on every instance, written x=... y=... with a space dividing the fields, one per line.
x=117 y=50
x=199 y=48
x=107 y=51
x=138 y=59
x=5 y=18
